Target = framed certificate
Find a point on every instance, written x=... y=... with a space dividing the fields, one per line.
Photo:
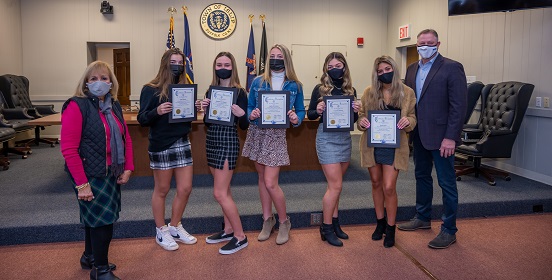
x=339 y=113
x=219 y=110
x=274 y=106
x=183 y=99
x=383 y=131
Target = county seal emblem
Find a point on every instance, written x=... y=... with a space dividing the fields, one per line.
x=218 y=21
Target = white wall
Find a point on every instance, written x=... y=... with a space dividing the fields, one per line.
x=10 y=32
x=494 y=47
x=65 y=27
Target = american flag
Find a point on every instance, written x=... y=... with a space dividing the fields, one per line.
x=170 y=36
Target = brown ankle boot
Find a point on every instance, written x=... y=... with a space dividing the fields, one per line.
x=283 y=232
x=268 y=228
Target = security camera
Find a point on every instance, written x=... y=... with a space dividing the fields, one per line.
x=105 y=8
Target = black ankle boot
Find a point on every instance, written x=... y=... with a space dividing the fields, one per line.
x=389 y=240
x=327 y=234
x=87 y=262
x=337 y=229
x=380 y=229
x=102 y=272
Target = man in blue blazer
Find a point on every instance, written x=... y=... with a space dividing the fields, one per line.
x=441 y=100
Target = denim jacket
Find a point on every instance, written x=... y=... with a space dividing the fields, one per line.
x=296 y=98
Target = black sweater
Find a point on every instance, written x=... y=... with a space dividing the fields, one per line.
x=242 y=121
x=162 y=134
x=315 y=96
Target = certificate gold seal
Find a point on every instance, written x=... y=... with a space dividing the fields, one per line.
x=215 y=112
x=377 y=136
x=218 y=21
x=332 y=121
x=268 y=117
x=178 y=111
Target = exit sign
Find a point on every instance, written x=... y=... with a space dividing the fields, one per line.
x=404 y=32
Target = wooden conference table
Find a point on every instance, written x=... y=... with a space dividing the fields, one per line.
x=301 y=145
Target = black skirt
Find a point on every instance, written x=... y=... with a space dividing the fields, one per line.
x=222 y=144
x=384 y=155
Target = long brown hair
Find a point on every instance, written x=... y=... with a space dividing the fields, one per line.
x=326 y=81
x=376 y=90
x=288 y=64
x=234 y=79
x=97 y=65
x=165 y=77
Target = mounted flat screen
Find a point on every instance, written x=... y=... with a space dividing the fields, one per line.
x=465 y=7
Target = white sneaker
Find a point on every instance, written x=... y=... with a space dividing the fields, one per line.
x=181 y=235
x=164 y=239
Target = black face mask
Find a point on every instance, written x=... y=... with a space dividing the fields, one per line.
x=223 y=73
x=276 y=64
x=386 y=78
x=336 y=73
x=177 y=69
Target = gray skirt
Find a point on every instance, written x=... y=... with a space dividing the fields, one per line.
x=333 y=147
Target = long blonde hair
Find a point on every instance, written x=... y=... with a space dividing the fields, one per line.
x=164 y=76
x=326 y=81
x=376 y=90
x=234 y=79
x=82 y=89
x=288 y=64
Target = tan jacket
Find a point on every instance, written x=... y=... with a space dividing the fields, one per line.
x=401 y=153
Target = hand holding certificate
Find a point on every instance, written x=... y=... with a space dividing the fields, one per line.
x=339 y=113
x=383 y=130
x=219 y=110
x=183 y=99
x=274 y=106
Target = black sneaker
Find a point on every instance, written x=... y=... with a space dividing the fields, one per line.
x=219 y=237
x=233 y=246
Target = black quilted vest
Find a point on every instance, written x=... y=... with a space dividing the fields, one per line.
x=92 y=149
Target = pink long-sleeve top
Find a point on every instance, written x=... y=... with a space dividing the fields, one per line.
x=71 y=132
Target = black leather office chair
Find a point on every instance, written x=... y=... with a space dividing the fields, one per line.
x=16 y=119
x=495 y=133
x=6 y=134
x=474 y=95
x=16 y=93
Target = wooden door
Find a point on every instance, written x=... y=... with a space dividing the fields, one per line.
x=121 y=62
x=411 y=55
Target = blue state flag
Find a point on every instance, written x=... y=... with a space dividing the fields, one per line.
x=250 y=60
x=188 y=51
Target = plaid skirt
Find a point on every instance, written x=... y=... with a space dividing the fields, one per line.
x=267 y=146
x=222 y=144
x=179 y=154
x=105 y=207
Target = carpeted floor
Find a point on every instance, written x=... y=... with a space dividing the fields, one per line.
x=512 y=247
x=37 y=204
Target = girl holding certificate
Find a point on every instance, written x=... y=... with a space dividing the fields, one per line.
x=223 y=146
x=332 y=147
x=386 y=93
x=267 y=147
x=169 y=150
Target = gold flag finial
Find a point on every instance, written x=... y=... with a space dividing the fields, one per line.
x=171 y=10
x=251 y=16
x=184 y=9
x=262 y=17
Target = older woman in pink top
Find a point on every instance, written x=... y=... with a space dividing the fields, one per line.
x=98 y=155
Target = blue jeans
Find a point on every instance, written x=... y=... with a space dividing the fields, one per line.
x=446 y=177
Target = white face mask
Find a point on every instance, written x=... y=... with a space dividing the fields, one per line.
x=427 y=51
x=99 y=88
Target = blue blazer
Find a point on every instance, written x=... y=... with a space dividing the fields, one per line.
x=442 y=104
